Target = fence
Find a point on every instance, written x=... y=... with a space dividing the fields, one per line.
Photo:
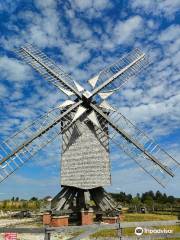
x=45 y=231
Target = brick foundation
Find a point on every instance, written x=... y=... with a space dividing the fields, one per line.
x=110 y=220
x=87 y=217
x=59 y=221
x=46 y=218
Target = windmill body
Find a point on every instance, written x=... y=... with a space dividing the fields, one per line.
x=85 y=156
x=87 y=123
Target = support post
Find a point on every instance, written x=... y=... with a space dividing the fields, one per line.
x=47 y=235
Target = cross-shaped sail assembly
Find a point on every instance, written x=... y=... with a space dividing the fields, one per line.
x=87 y=123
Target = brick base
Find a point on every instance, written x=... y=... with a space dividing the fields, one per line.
x=87 y=217
x=46 y=218
x=59 y=221
x=110 y=220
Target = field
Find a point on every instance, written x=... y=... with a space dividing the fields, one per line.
x=138 y=217
x=130 y=231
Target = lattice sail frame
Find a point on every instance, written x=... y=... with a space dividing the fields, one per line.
x=146 y=143
x=30 y=140
x=48 y=69
x=114 y=76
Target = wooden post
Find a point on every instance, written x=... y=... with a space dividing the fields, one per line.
x=47 y=235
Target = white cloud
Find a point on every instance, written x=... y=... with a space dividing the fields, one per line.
x=170 y=34
x=165 y=8
x=73 y=52
x=126 y=31
x=12 y=69
x=123 y=32
x=163 y=111
x=45 y=4
x=84 y=33
x=91 y=8
x=3 y=91
x=96 y=4
x=101 y=4
x=82 y=5
x=8 y=5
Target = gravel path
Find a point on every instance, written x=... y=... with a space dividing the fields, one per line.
x=11 y=222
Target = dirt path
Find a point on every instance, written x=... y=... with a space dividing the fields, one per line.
x=12 y=222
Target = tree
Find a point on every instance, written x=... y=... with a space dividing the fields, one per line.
x=136 y=202
x=147 y=195
x=138 y=196
x=33 y=199
x=128 y=198
x=148 y=201
x=171 y=199
x=159 y=197
x=122 y=196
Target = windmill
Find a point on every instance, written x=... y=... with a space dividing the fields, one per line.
x=87 y=123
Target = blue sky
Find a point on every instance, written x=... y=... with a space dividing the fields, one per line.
x=84 y=36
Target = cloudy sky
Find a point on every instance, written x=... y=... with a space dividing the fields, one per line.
x=84 y=36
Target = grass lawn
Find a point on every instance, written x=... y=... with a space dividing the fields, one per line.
x=104 y=233
x=175 y=228
x=75 y=234
x=138 y=217
x=110 y=233
x=113 y=233
x=169 y=238
x=130 y=231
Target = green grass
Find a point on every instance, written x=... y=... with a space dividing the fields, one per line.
x=110 y=233
x=104 y=233
x=169 y=238
x=175 y=228
x=75 y=234
x=130 y=231
x=138 y=217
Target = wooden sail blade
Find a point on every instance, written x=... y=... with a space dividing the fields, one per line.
x=47 y=68
x=105 y=105
x=66 y=103
x=93 y=81
x=20 y=147
x=115 y=75
x=78 y=86
x=105 y=95
x=137 y=145
x=93 y=118
x=80 y=111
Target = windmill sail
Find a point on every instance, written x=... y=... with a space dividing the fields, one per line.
x=48 y=69
x=20 y=147
x=137 y=145
x=115 y=75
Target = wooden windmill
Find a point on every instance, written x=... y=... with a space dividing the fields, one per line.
x=86 y=122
